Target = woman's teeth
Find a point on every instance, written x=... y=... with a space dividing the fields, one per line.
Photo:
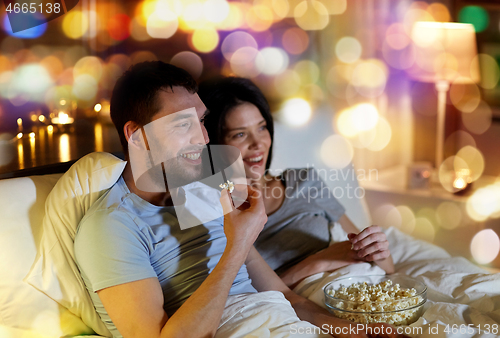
x=193 y=156
x=256 y=159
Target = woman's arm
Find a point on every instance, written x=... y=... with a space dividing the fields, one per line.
x=370 y=245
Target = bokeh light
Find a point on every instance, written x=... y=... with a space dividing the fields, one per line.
x=484 y=203
x=235 y=41
x=162 y=27
x=465 y=97
x=75 y=24
x=32 y=80
x=243 y=62
x=475 y=15
x=205 y=40
x=272 y=61
x=216 y=10
x=90 y=65
x=449 y=215
x=335 y=7
x=485 y=246
x=474 y=159
x=490 y=72
x=439 y=12
x=259 y=18
x=369 y=77
x=448 y=171
x=190 y=62
x=479 y=120
x=348 y=49
x=85 y=87
x=424 y=229
x=296 y=112
x=287 y=83
x=295 y=40
x=336 y=152
x=119 y=27
x=311 y=15
x=308 y=71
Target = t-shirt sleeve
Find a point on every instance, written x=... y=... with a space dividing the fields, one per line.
x=110 y=250
x=326 y=199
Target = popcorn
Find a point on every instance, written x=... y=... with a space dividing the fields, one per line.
x=229 y=186
x=376 y=303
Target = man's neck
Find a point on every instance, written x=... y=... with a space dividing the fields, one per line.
x=156 y=198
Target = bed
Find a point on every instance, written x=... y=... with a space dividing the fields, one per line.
x=39 y=298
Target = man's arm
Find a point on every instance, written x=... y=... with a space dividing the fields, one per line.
x=136 y=308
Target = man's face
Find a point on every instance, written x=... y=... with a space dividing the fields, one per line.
x=176 y=135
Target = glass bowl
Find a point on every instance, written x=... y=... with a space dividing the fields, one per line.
x=397 y=311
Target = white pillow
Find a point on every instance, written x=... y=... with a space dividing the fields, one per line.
x=55 y=272
x=22 y=208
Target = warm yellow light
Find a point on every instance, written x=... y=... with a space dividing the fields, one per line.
x=216 y=10
x=311 y=15
x=162 y=27
x=97 y=107
x=485 y=246
x=424 y=229
x=50 y=129
x=259 y=18
x=296 y=112
x=75 y=24
x=32 y=135
x=89 y=65
x=63 y=118
x=33 y=117
x=308 y=71
x=336 y=152
x=348 y=49
x=41 y=118
x=205 y=40
x=272 y=61
x=484 y=203
x=449 y=215
x=62 y=102
x=19 y=122
x=19 y=135
x=474 y=159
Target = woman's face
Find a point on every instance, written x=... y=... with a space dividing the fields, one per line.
x=246 y=129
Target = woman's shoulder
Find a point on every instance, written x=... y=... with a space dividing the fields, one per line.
x=301 y=176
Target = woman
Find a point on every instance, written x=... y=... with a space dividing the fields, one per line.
x=295 y=239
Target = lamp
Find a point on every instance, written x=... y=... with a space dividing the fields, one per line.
x=446 y=53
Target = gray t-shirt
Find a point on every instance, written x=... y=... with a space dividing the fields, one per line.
x=300 y=227
x=124 y=238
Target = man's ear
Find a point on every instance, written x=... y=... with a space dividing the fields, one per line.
x=130 y=128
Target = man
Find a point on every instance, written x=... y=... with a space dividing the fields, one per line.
x=146 y=276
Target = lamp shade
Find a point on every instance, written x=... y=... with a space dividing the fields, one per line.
x=445 y=51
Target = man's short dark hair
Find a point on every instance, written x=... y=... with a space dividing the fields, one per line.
x=135 y=96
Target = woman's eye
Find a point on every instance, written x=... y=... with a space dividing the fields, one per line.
x=264 y=127
x=238 y=135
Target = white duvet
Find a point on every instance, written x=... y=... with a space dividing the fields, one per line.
x=459 y=293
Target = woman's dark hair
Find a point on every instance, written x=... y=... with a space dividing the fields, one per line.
x=135 y=96
x=222 y=95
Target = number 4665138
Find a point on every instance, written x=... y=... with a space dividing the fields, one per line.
x=42 y=8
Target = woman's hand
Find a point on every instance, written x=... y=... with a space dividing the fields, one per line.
x=370 y=244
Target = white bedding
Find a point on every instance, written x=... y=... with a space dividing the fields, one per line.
x=459 y=293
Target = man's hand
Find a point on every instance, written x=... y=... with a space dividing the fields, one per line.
x=370 y=244
x=242 y=226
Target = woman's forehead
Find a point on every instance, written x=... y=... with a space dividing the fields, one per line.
x=245 y=114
